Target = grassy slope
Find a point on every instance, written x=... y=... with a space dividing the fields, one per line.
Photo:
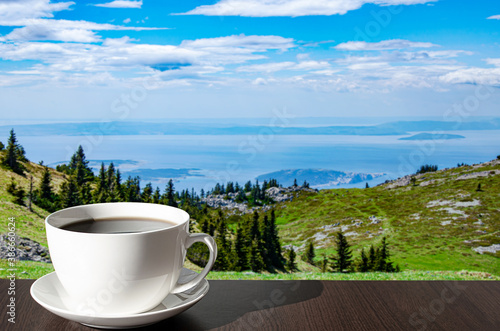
x=417 y=238
x=28 y=224
x=34 y=270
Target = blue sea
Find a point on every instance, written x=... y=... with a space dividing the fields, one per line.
x=219 y=158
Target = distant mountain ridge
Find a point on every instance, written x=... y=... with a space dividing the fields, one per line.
x=165 y=128
x=318 y=178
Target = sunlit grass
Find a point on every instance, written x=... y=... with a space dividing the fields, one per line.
x=35 y=270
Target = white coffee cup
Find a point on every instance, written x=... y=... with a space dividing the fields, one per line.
x=122 y=273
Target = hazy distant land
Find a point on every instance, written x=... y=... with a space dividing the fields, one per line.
x=176 y=128
x=433 y=136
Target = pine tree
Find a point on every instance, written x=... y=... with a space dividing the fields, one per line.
x=110 y=175
x=276 y=257
x=367 y=186
x=363 y=265
x=255 y=257
x=382 y=262
x=100 y=193
x=45 y=189
x=118 y=194
x=324 y=263
x=18 y=192
x=267 y=240
x=240 y=197
x=372 y=257
x=147 y=193
x=254 y=230
x=248 y=186
x=309 y=254
x=69 y=193
x=343 y=259
x=111 y=184
x=156 y=196
x=291 y=265
x=230 y=187
x=43 y=196
x=223 y=246
x=80 y=165
x=241 y=250
x=132 y=189
x=85 y=194
x=14 y=152
x=413 y=180
x=295 y=182
x=170 y=194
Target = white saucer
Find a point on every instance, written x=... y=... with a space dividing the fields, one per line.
x=48 y=292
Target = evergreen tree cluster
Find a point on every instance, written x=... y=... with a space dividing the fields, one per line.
x=427 y=168
x=253 y=245
x=253 y=194
x=378 y=258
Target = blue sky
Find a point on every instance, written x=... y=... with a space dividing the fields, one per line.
x=164 y=59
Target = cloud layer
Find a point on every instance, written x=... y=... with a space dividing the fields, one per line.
x=121 y=4
x=77 y=53
x=292 y=8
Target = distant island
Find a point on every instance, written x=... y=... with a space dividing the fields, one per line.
x=433 y=136
x=318 y=178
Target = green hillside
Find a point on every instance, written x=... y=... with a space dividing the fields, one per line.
x=431 y=224
x=28 y=224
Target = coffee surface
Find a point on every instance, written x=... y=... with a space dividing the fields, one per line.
x=118 y=225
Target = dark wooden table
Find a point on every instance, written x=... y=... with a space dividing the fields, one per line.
x=306 y=305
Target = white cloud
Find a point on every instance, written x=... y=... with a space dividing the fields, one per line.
x=61 y=30
x=266 y=67
x=279 y=66
x=30 y=9
x=480 y=76
x=127 y=20
x=420 y=57
x=495 y=62
x=293 y=8
x=121 y=4
x=48 y=32
x=190 y=60
x=238 y=48
x=382 y=45
x=494 y=17
x=32 y=21
x=248 y=43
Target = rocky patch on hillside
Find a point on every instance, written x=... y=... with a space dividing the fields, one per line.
x=277 y=194
x=467 y=172
x=26 y=250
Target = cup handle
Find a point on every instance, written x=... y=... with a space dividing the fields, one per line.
x=212 y=247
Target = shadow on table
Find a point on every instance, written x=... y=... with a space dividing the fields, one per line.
x=228 y=301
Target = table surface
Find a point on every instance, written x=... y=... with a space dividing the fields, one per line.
x=306 y=305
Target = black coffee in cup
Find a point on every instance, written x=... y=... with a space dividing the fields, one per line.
x=118 y=225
